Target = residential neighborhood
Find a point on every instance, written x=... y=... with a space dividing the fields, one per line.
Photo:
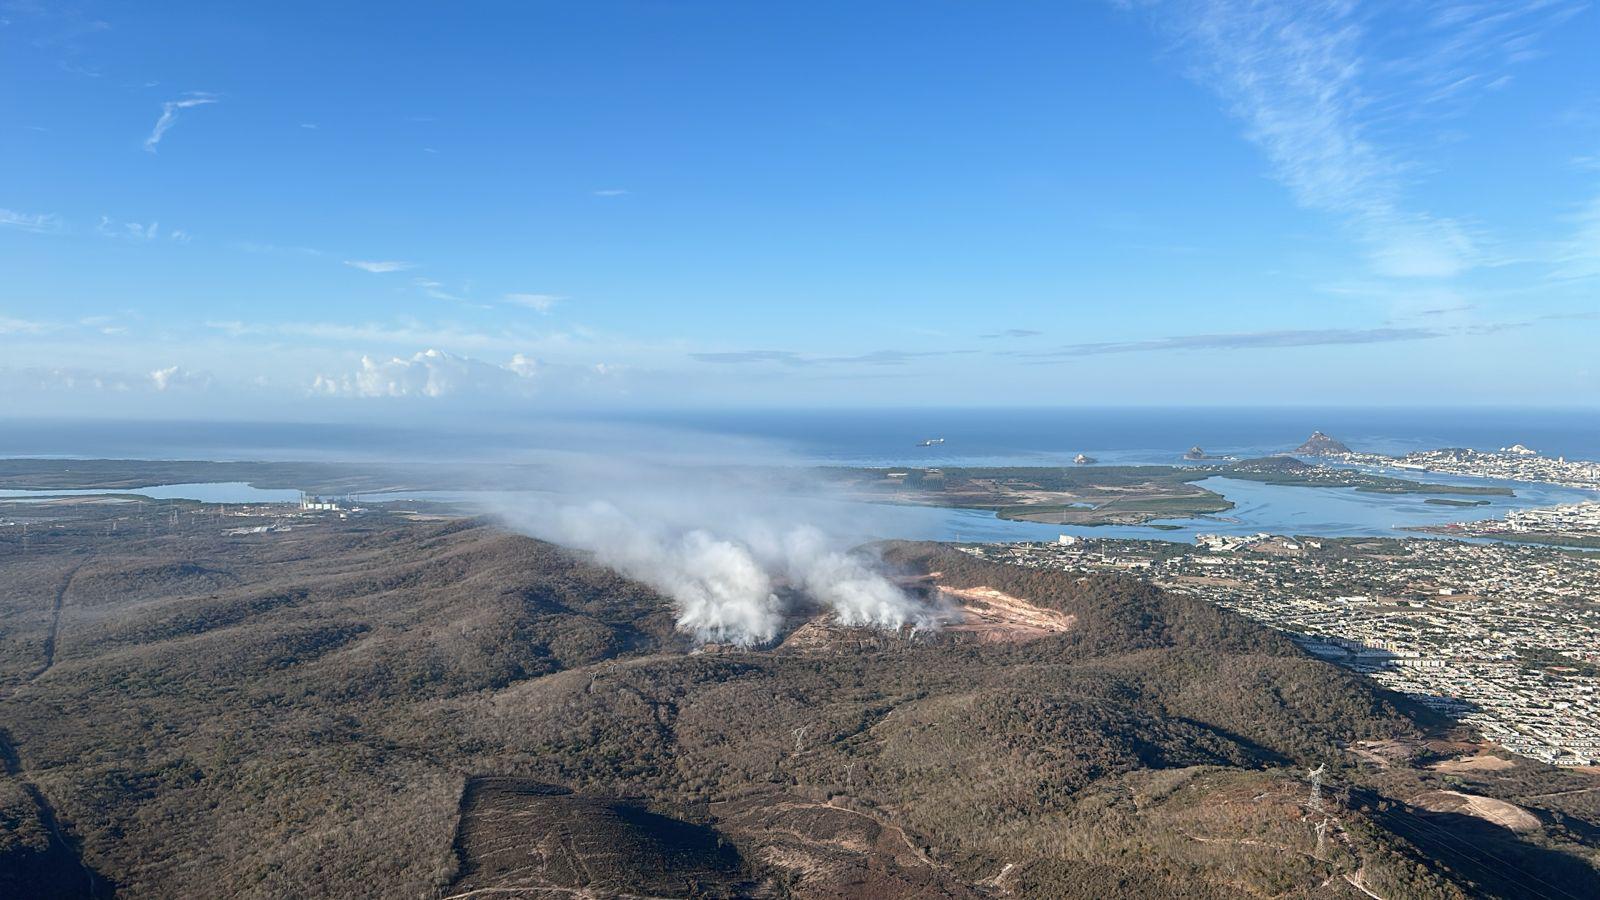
x=1503 y=637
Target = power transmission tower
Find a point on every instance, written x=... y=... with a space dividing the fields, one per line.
x=1316 y=787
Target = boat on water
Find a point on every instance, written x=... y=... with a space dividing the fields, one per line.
x=930 y=442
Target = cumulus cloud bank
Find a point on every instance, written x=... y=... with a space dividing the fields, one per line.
x=173 y=377
x=431 y=373
x=435 y=374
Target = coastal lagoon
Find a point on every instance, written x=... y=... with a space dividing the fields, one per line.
x=1258 y=507
x=205 y=492
x=995 y=437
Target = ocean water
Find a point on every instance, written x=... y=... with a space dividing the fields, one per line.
x=1139 y=436
x=847 y=437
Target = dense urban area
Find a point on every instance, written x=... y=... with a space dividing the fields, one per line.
x=1504 y=637
x=1514 y=463
x=1570 y=524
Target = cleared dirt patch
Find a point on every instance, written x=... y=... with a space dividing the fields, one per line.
x=1483 y=762
x=1506 y=815
x=1384 y=753
x=997 y=616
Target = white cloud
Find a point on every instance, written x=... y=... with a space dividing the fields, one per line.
x=611 y=192
x=406 y=333
x=107 y=325
x=432 y=373
x=38 y=378
x=80 y=380
x=137 y=231
x=37 y=222
x=538 y=302
x=378 y=267
x=435 y=374
x=169 y=115
x=177 y=377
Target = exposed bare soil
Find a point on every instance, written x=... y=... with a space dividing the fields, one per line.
x=1506 y=815
x=997 y=616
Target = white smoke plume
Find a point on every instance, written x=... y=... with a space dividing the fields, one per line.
x=723 y=547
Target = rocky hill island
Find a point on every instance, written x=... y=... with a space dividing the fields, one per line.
x=1320 y=444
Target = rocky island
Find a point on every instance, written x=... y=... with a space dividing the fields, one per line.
x=1320 y=444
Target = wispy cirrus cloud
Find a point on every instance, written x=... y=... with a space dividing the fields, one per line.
x=611 y=192
x=405 y=333
x=107 y=325
x=67 y=379
x=39 y=223
x=379 y=267
x=268 y=248
x=1243 y=340
x=169 y=115
x=437 y=290
x=540 y=303
x=1011 y=333
x=75 y=379
x=1579 y=255
x=9 y=325
x=1323 y=98
x=791 y=358
x=138 y=231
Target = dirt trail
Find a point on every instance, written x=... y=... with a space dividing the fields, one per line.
x=55 y=623
x=11 y=761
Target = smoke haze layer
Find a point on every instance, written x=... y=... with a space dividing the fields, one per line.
x=726 y=546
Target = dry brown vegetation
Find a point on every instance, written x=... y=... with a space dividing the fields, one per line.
x=302 y=714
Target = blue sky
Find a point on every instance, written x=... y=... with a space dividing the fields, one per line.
x=383 y=209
